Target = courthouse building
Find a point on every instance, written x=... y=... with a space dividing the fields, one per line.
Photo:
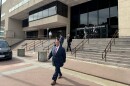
x=35 y=18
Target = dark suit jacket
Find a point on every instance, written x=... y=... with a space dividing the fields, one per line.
x=61 y=39
x=59 y=58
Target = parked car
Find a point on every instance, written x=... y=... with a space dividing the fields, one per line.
x=5 y=50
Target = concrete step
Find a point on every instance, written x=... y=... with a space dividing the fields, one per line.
x=108 y=62
x=117 y=58
x=99 y=55
x=114 y=62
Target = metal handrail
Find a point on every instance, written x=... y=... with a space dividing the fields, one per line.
x=81 y=44
x=40 y=43
x=48 y=47
x=109 y=45
x=33 y=44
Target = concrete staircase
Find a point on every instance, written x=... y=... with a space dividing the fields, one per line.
x=73 y=44
x=20 y=45
x=92 y=52
x=30 y=44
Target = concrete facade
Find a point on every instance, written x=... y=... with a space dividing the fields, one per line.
x=124 y=18
x=12 y=20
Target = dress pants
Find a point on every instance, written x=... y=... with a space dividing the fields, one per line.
x=57 y=72
x=68 y=46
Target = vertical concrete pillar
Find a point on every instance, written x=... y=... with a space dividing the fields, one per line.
x=40 y=33
x=14 y=28
x=124 y=18
x=68 y=24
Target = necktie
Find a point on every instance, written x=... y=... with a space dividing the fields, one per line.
x=55 y=50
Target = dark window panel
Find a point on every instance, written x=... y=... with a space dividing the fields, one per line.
x=100 y=12
x=93 y=18
x=83 y=19
x=113 y=3
x=104 y=16
x=25 y=23
x=62 y=9
x=92 y=5
x=102 y=4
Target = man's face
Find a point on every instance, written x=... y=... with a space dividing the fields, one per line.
x=57 y=42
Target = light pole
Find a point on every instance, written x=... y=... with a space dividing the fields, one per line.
x=0 y=12
x=47 y=33
x=48 y=38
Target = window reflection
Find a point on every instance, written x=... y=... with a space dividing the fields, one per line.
x=45 y=13
x=31 y=18
x=93 y=18
x=103 y=16
x=40 y=15
x=83 y=19
x=113 y=11
x=18 y=5
x=35 y=16
x=52 y=10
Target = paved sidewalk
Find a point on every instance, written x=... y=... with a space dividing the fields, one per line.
x=27 y=71
x=22 y=71
x=41 y=77
x=117 y=75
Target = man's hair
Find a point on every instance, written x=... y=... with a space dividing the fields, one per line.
x=57 y=39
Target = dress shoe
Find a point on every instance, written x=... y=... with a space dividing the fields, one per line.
x=53 y=83
x=60 y=77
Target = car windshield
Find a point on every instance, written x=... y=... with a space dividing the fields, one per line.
x=3 y=44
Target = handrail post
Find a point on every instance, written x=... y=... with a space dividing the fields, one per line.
x=26 y=46
x=102 y=56
x=110 y=46
x=75 y=52
x=105 y=55
x=114 y=41
x=88 y=40
x=42 y=43
x=34 y=45
x=82 y=45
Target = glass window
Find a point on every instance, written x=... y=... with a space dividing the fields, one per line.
x=21 y=3
x=31 y=18
x=35 y=16
x=52 y=11
x=3 y=44
x=93 y=18
x=17 y=6
x=13 y=8
x=40 y=15
x=25 y=1
x=83 y=19
x=113 y=11
x=45 y=13
x=103 y=16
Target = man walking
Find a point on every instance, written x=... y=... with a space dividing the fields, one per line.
x=58 y=55
x=61 y=40
x=69 y=40
x=50 y=35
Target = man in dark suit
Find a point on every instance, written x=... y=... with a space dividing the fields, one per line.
x=69 y=40
x=58 y=55
x=61 y=40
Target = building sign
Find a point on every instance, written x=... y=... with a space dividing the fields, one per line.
x=92 y=27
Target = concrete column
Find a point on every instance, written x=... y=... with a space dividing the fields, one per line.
x=40 y=33
x=68 y=22
x=124 y=18
x=14 y=28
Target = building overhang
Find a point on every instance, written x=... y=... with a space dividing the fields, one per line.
x=49 y=22
x=23 y=12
